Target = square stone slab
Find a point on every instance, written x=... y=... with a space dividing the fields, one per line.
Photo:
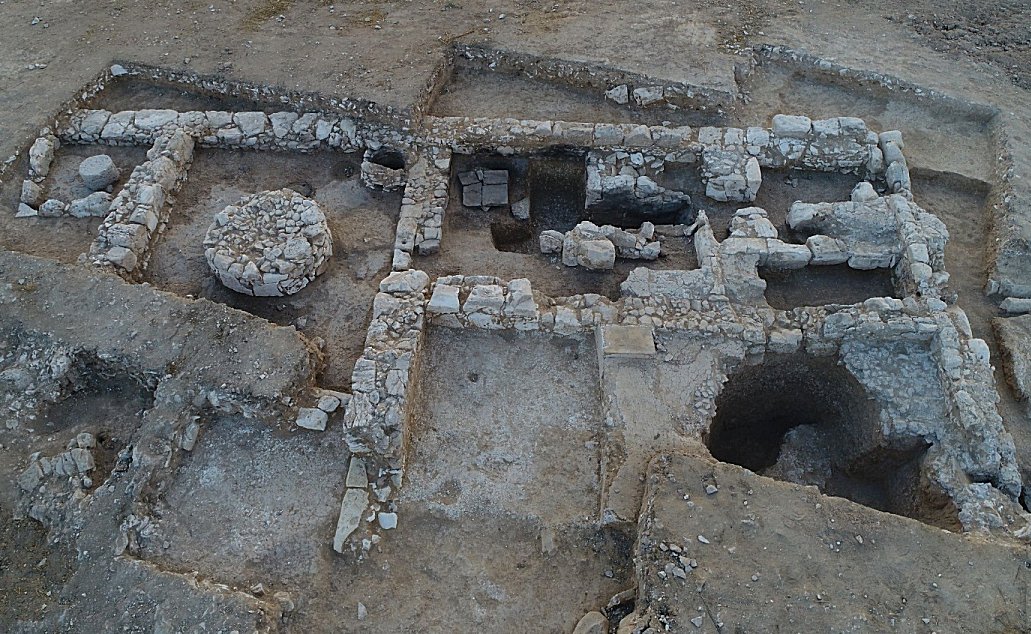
x=472 y=195
x=494 y=195
x=495 y=177
x=634 y=342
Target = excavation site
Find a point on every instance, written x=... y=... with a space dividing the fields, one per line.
x=579 y=318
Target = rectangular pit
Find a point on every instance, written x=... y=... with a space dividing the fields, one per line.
x=504 y=483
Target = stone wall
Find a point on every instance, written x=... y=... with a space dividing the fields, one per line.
x=140 y=211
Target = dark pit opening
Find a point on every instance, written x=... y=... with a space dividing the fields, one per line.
x=388 y=157
x=512 y=235
x=807 y=420
x=557 y=186
x=822 y=285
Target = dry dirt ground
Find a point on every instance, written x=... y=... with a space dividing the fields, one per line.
x=500 y=529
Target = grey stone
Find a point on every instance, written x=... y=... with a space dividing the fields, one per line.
x=351 y=510
x=626 y=341
x=863 y=192
x=251 y=123
x=312 y=418
x=357 y=478
x=521 y=209
x=472 y=195
x=122 y=257
x=551 y=241
x=95 y=205
x=597 y=255
x=99 y=171
x=791 y=126
x=41 y=155
x=53 y=208
x=592 y=623
x=486 y=298
x=406 y=282
x=897 y=177
x=494 y=195
x=648 y=95
x=83 y=459
x=31 y=193
x=1016 y=305
x=495 y=177
x=387 y=521
x=827 y=250
x=620 y=94
x=444 y=300
x=24 y=211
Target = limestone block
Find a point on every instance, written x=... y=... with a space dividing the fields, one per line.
x=405 y=282
x=791 y=126
x=596 y=255
x=551 y=241
x=351 y=510
x=827 y=250
x=485 y=298
x=626 y=341
x=782 y=255
x=31 y=193
x=444 y=300
x=96 y=204
x=312 y=418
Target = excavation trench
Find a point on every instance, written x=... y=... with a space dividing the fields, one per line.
x=807 y=420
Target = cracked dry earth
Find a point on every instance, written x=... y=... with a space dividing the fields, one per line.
x=553 y=317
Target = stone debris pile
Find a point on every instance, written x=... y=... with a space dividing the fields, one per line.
x=484 y=188
x=596 y=248
x=625 y=180
x=270 y=244
x=77 y=460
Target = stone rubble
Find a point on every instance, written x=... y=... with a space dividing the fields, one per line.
x=269 y=244
x=625 y=180
x=596 y=248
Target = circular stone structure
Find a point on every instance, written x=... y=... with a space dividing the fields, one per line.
x=98 y=172
x=269 y=244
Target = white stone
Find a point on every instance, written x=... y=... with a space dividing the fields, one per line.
x=444 y=300
x=863 y=192
x=387 y=521
x=791 y=126
x=351 y=510
x=312 y=418
x=405 y=282
x=620 y=94
x=596 y=255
